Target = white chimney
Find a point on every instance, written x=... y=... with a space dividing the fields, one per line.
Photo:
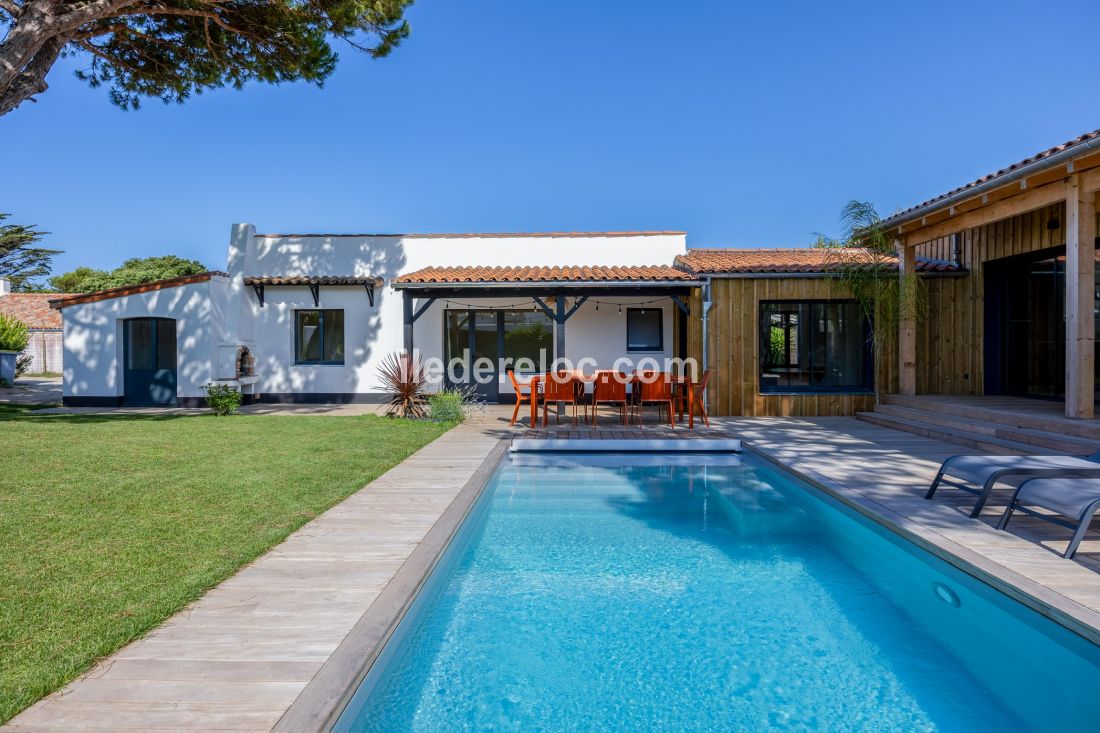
x=5 y=286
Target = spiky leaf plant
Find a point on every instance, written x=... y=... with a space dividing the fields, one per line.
x=404 y=382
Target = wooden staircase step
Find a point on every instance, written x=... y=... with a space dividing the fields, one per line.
x=1042 y=440
x=984 y=443
x=971 y=408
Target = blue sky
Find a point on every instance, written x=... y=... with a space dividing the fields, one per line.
x=746 y=125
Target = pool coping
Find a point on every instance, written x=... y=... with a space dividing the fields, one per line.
x=321 y=702
x=1075 y=617
x=626 y=445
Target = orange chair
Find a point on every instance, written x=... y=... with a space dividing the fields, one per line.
x=610 y=388
x=558 y=388
x=697 y=397
x=656 y=390
x=524 y=395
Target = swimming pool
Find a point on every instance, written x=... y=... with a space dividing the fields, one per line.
x=623 y=593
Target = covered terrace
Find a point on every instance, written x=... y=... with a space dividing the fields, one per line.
x=531 y=318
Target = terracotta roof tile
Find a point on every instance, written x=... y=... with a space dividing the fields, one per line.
x=488 y=235
x=32 y=309
x=901 y=216
x=313 y=280
x=594 y=273
x=63 y=301
x=806 y=260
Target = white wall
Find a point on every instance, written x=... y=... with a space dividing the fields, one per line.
x=372 y=333
x=215 y=317
x=93 y=337
x=589 y=333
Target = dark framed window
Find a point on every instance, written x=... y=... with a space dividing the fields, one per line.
x=319 y=336
x=645 y=329
x=527 y=335
x=511 y=335
x=815 y=346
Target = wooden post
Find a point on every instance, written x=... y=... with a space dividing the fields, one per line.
x=559 y=332
x=1080 y=299
x=407 y=303
x=907 y=326
x=559 y=338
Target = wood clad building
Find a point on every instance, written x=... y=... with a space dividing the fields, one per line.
x=757 y=295
x=1022 y=321
x=1009 y=267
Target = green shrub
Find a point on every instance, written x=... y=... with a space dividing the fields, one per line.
x=447 y=406
x=13 y=334
x=23 y=364
x=222 y=398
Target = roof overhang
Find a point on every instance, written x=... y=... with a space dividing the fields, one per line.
x=307 y=280
x=173 y=282
x=542 y=286
x=956 y=272
x=259 y=283
x=1027 y=185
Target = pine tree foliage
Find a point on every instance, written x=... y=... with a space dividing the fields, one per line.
x=20 y=261
x=171 y=49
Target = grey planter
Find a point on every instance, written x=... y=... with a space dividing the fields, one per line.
x=7 y=367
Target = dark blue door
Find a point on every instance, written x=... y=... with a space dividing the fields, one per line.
x=149 y=374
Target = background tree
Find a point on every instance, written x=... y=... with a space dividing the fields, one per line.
x=20 y=262
x=865 y=262
x=169 y=49
x=74 y=280
x=134 y=271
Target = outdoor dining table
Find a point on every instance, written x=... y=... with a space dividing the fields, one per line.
x=683 y=380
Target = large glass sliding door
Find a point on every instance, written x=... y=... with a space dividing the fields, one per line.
x=480 y=343
x=1026 y=325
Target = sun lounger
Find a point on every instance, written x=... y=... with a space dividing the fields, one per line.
x=1077 y=499
x=979 y=474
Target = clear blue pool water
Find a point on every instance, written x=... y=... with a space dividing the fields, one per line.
x=604 y=593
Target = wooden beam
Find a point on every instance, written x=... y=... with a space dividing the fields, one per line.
x=559 y=332
x=1029 y=200
x=559 y=338
x=1080 y=299
x=407 y=305
x=1054 y=175
x=907 y=330
x=576 y=304
x=545 y=308
x=420 y=311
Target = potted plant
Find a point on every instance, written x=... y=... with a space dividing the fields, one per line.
x=13 y=339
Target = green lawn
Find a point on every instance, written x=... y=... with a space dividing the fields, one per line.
x=111 y=524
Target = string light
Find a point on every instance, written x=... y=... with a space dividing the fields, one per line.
x=534 y=306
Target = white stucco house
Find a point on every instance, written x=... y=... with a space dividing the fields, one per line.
x=309 y=317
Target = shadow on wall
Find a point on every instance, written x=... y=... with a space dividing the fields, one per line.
x=382 y=257
x=94 y=338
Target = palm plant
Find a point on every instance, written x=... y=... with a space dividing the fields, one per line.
x=404 y=381
x=865 y=262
